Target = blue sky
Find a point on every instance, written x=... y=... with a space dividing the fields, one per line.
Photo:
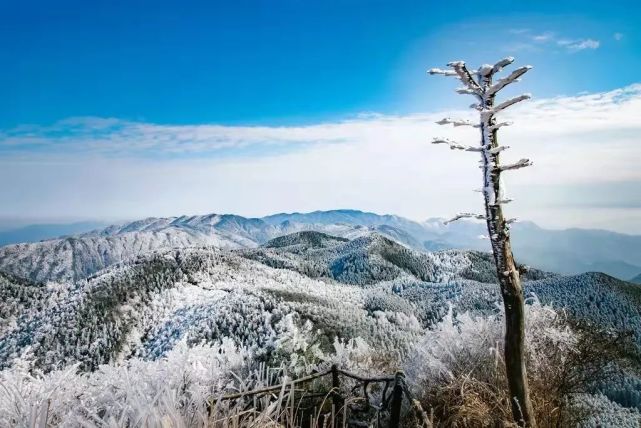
x=284 y=62
x=126 y=109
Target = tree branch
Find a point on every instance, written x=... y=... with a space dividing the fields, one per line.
x=467 y=91
x=499 y=125
x=517 y=165
x=507 y=103
x=513 y=77
x=503 y=201
x=498 y=149
x=465 y=215
x=502 y=63
x=457 y=122
x=456 y=146
x=442 y=72
x=461 y=70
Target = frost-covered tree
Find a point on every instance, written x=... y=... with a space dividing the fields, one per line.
x=481 y=84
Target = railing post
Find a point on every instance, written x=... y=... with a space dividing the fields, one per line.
x=337 y=400
x=397 y=400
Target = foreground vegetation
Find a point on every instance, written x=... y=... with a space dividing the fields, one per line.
x=454 y=370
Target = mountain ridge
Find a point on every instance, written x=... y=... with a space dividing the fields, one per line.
x=569 y=251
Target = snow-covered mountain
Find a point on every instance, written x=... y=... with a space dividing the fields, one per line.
x=370 y=287
x=77 y=257
x=71 y=258
x=216 y=285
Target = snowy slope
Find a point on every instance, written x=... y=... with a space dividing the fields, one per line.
x=369 y=287
x=74 y=258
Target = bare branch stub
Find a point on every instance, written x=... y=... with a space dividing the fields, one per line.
x=499 y=125
x=466 y=77
x=513 y=77
x=516 y=165
x=457 y=122
x=502 y=63
x=498 y=149
x=510 y=102
x=442 y=72
x=465 y=215
x=456 y=146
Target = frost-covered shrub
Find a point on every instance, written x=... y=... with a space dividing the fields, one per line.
x=296 y=347
x=172 y=391
x=178 y=389
x=458 y=371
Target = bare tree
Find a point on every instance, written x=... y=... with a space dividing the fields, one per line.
x=481 y=84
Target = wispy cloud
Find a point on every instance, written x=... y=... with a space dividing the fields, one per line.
x=381 y=163
x=579 y=45
x=618 y=36
x=116 y=138
x=529 y=41
x=123 y=138
x=543 y=37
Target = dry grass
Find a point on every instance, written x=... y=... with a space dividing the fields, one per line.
x=469 y=389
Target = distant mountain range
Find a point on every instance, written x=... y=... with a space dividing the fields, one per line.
x=569 y=251
x=38 y=232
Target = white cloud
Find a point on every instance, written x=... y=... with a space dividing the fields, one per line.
x=579 y=45
x=618 y=36
x=543 y=37
x=374 y=162
x=528 y=41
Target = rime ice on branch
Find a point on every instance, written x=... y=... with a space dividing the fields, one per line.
x=481 y=84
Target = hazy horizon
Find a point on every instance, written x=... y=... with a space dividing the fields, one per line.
x=10 y=224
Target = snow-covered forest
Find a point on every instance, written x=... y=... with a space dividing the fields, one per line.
x=151 y=339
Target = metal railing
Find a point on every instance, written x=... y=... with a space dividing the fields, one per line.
x=394 y=390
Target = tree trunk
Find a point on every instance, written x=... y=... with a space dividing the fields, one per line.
x=511 y=290
x=497 y=226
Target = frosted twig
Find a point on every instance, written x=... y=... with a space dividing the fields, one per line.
x=499 y=125
x=465 y=215
x=441 y=72
x=517 y=165
x=511 y=220
x=513 y=77
x=502 y=201
x=505 y=104
x=456 y=146
x=467 y=91
x=499 y=149
x=502 y=63
x=461 y=70
x=457 y=122
x=483 y=70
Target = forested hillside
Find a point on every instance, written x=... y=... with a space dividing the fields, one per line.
x=296 y=300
